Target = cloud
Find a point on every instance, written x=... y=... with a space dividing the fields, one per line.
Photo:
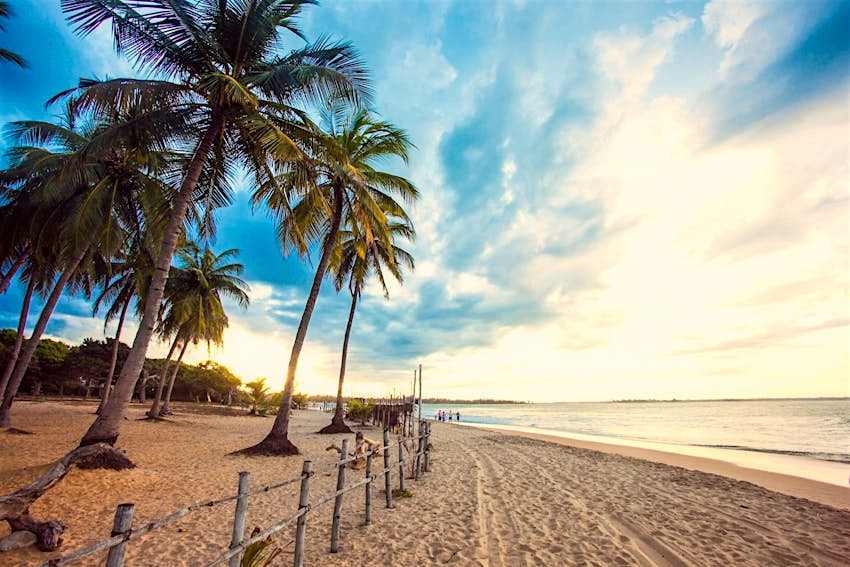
x=614 y=206
x=632 y=60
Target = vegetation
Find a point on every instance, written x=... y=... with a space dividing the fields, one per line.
x=61 y=369
x=5 y=54
x=359 y=411
x=258 y=394
x=338 y=184
x=261 y=553
x=355 y=258
x=130 y=176
x=115 y=202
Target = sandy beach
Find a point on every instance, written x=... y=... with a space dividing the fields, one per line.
x=490 y=499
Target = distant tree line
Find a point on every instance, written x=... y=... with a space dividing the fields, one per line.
x=81 y=370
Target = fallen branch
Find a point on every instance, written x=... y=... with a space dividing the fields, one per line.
x=14 y=508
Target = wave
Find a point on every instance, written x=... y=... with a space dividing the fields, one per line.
x=834 y=457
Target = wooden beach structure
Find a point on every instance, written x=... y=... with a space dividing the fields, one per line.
x=122 y=532
x=393 y=413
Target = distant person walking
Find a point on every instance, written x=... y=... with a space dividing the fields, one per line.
x=450 y=416
x=457 y=416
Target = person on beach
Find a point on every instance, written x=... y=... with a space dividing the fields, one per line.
x=450 y=416
x=457 y=416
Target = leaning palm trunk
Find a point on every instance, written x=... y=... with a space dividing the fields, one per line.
x=154 y=411
x=337 y=424
x=277 y=441
x=29 y=349
x=6 y=280
x=108 y=424
x=164 y=410
x=19 y=340
x=108 y=386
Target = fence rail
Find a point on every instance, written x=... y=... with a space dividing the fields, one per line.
x=122 y=532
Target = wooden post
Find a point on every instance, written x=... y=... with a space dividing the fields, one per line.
x=120 y=525
x=303 y=502
x=420 y=394
x=427 y=444
x=387 y=475
x=400 y=464
x=419 y=453
x=369 y=488
x=340 y=483
x=239 y=518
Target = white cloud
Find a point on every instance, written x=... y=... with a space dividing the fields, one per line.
x=632 y=60
x=727 y=21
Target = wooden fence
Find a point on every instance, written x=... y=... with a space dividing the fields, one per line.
x=123 y=532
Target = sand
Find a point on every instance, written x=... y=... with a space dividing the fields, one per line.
x=491 y=499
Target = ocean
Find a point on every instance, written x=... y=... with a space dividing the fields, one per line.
x=802 y=437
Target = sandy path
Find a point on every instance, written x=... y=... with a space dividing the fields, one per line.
x=490 y=500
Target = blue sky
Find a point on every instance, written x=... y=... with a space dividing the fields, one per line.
x=620 y=199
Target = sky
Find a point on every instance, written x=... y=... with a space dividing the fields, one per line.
x=620 y=200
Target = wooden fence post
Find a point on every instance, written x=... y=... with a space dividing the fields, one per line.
x=427 y=447
x=369 y=488
x=418 y=474
x=340 y=484
x=239 y=518
x=120 y=525
x=400 y=464
x=303 y=502
x=387 y=471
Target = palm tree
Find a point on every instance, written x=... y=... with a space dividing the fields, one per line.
x=354 y=260
x=74 y=206
x=337 y=181
x=193 y=297
x=123 y=280
x=257 y=393
x=220 y=90
x=6 y=55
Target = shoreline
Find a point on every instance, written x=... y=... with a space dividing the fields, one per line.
x=791 y=485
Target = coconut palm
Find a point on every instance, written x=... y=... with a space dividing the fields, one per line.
x=5 y=54
x=222 y=90
x=72 y=207
x=354 y=261
x=258 y=393
x=336 y=182
x=124 y=279
x=193 y=307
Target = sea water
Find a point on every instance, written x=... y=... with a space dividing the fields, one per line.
x=808 y=438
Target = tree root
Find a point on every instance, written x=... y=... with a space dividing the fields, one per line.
x=271 y=446
x=336 y=427
x=14 y=508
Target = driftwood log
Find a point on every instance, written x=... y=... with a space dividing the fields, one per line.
x=14 y=508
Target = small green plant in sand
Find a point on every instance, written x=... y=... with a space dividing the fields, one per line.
x=260 y=553
x=399 y=493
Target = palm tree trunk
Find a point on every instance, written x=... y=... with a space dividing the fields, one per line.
x=108 y=424
x=277 y=441
x=32 y=343
x=154 y=411
x=6 y=280
x=164 y=409
x=143 y=383
x=114 y=360
x=19 y=340
x=338 y=423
